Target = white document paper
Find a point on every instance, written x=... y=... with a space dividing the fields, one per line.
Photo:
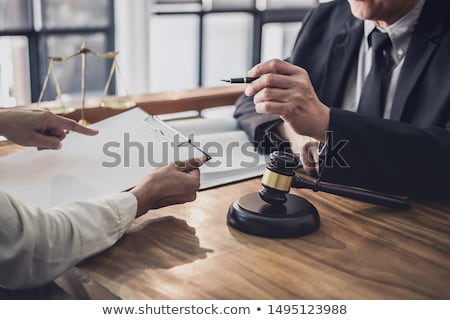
x=85 y=167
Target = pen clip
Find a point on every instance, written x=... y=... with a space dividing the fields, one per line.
x=176 y=138
x=165 y=130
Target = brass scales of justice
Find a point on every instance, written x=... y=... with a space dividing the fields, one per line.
x=83 y=52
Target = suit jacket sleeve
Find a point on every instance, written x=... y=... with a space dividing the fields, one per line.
x=253 y=123
x=37 y=246
x=407 y=160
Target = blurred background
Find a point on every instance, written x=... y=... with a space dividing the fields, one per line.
x=164 y=45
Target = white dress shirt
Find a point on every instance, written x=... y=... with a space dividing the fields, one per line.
x=37 y=246
x=400 y=34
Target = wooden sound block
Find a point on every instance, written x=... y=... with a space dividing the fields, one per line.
x=294 y=218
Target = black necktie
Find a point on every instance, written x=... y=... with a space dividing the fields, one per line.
x=373 y=95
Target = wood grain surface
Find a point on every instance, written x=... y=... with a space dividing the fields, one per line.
x=360 y=251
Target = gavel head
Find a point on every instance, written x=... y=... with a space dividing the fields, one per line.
x=278 y=176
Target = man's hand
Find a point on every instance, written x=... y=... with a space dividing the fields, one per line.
x=173 y=184
x=303 y=146
x=286 y=90
x=38 y=128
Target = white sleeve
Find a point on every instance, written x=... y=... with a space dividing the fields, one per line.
x=37 y=246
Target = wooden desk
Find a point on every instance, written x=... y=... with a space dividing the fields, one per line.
x=360 y=252
x=188 y=252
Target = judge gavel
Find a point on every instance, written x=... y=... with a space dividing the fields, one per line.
x=279 y=177
x=273 y=212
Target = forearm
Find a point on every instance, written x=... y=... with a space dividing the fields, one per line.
x=37 y=246
x=250 y=121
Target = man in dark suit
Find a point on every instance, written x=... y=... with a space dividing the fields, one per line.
x=371 y=80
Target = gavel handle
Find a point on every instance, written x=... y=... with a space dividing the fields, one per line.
x=353 y=193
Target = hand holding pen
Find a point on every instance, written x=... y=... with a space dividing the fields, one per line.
x=285 y=89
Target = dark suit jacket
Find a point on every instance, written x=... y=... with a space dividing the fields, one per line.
x=409 y=154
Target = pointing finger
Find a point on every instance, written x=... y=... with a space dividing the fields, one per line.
x=69 y=124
